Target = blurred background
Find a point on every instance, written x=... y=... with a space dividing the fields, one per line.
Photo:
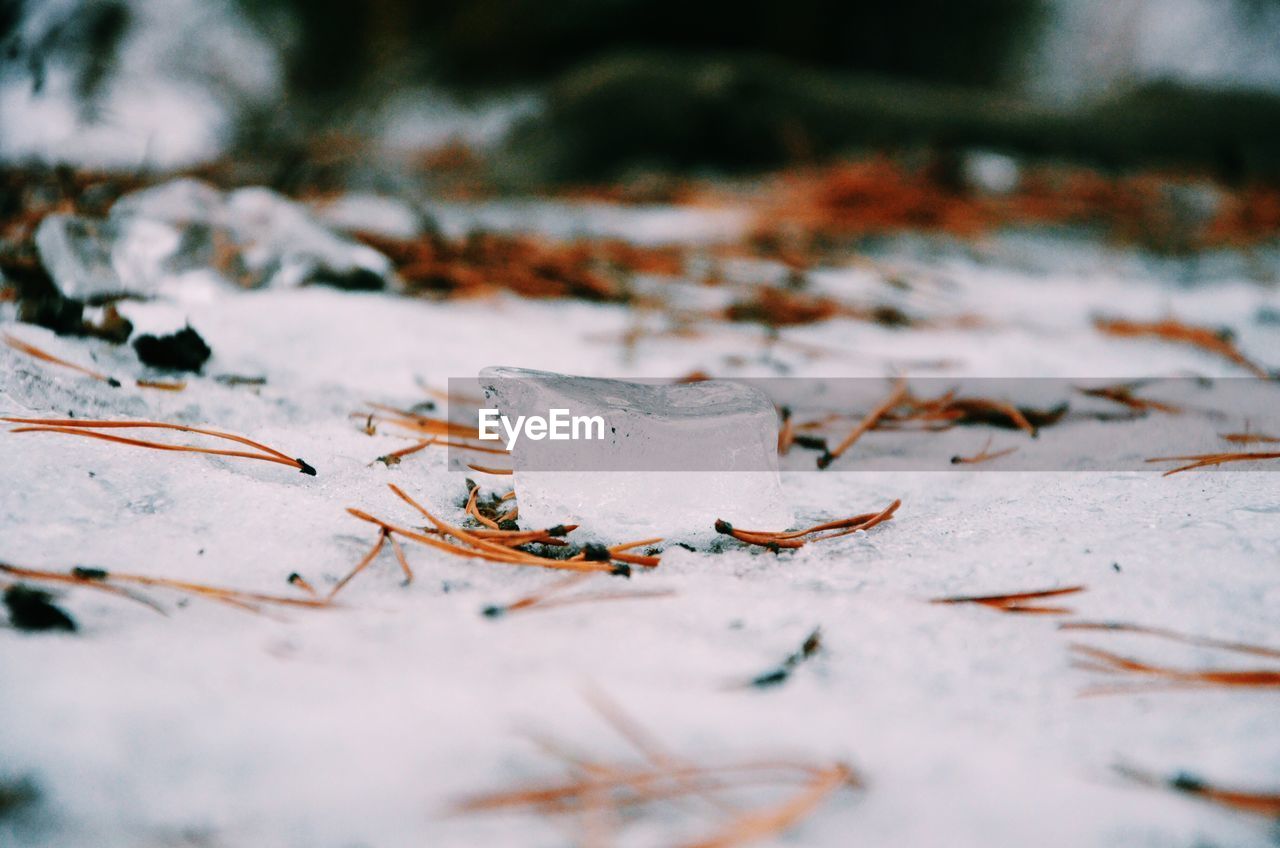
x=596 y=90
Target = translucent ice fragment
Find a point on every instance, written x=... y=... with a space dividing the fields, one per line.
x=255 y=236
x=94 y=260
x=665 y=460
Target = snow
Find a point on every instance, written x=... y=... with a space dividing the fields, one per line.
x=359 y=725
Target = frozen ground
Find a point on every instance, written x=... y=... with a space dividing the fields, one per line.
x=359 y=725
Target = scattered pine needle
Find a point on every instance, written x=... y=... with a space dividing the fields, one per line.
x=43 y=355
x=1206 y=460
x=1248 y=438
x=1016 y=602
x=483 y=469
x=985 y=455
x=163 y=385
x=1163 y=633
x=394 y=457
x=869 y=422
x=109 y=581
x=1257 y=803
x=1123 y=394
x=621 y=791
x=1166 y=677
x=78 y=427
x=776 y=676
x=552 y=596
x=775 y=540
x=1213 y=341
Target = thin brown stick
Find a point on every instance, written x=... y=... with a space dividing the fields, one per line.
x=486 y=470
x=984 y=455
x=474 y=511
x=872 y=418
x=394 y=458
x=771 y=821
x=162 y=385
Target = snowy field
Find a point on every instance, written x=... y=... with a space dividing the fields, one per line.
x=362 y=725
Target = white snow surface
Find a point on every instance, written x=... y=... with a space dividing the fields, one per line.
x=359 y=725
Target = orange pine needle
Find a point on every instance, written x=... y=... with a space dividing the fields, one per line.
x=78 y=427
x=1258 y=803
x=1205 y=338
x=163 y=385
x=363 y=564
x=1015 y=602
x=1207 y=460
x=1173 y=635
x=1100 y=660
x=869 y=422
x=38 y=353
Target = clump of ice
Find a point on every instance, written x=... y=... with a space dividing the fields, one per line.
x=671 y=460
x=252 y=237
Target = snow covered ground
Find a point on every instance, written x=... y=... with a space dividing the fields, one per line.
x=360 y=725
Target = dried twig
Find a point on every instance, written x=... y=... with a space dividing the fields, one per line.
x=78 y=427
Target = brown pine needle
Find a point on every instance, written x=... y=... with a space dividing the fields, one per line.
x=508 y=556
x=617 y=793
x=163 y=385
x=1100 y=660
x=1173 y=635
x=775 y=540
x=552 y=596
x=1123 y=393
x=402 y=559
x=474 y=511
x=1257 y=803
x=109 y=580
x=1207 y=460
x=78 y=577
x=1248 y=438
x=75 y=426
x=787 y=433
x=296 y=579
x=486 y=470
x=760 y=824
x=363 y=564
x=869 y=422
x=43 y=355
x=1015 y=602
x=984 y=455
x=393 y=458
x=1205 y=338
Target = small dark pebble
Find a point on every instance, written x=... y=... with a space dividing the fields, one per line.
x=16 y=794
x=493 y=612
x=621 y=569
x=595 y=552
x=32 y=609
x=558 y=530
x=180 y=351
x=1116 y=566
x=508 y=525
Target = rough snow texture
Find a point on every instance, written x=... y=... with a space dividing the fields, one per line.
x=358 y=725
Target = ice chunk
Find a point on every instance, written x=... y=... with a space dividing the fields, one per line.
x=93 y=260
x=666 y=460
x=255 y=236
